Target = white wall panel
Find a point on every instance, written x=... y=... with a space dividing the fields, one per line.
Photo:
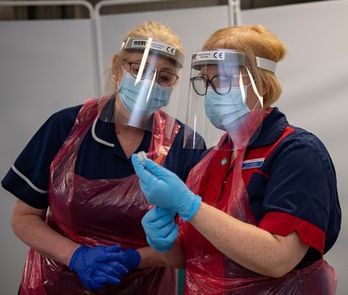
x=44 y=66
x=49 y=65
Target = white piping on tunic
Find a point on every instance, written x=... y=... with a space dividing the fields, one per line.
x=97 y=138
x=26 y=179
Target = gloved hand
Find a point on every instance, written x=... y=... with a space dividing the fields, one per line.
x=160 y=228
x=98 y=266
x=163 y=188
x=130 y=258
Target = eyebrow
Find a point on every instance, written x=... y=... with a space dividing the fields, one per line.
x=165 y=69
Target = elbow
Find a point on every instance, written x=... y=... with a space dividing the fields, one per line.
x=14 y=223
x=277 y=273
x=18 y=224
x=277 y=269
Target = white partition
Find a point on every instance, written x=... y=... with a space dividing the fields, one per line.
x=44 y=66
x=314 y=76
x=49 y=65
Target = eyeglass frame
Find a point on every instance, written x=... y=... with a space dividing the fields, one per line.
x=130 y=63
x=210 y=81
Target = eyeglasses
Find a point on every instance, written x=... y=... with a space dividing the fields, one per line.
x=163 y=78
x=221 y=84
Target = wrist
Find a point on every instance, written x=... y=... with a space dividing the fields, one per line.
x=191 y=208
x=133 y=258
x=71 y=261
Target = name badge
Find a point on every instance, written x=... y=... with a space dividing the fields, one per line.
x=253 y=163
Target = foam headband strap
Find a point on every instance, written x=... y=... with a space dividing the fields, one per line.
x=266 y=64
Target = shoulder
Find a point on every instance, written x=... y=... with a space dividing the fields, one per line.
x=65 y=116
x=301 y=153
x=301 y=140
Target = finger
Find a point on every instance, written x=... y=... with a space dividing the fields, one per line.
x=119 y=267
x=113 y=249
x=164 y=222
x=111 y=256
x=167 y=229
x=92 y=284
x=173 y=234
x=113 y=268
x=141 y=172
x=159 y=225
x=102 y=279
x=155 y=213
x=155 y=169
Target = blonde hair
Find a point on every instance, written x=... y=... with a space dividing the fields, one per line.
x=156 y=30
x=253 y=41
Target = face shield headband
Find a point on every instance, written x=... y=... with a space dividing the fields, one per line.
x=148 y=44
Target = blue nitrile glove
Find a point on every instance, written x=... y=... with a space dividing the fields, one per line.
x=165 y=189
x=98 y=266
x=130 y=258
x=160 y=228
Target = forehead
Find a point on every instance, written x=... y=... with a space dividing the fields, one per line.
x=220 y=69
x=152 y=59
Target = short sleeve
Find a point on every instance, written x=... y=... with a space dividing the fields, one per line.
x=301 y=193
x=181 y=160
x=28 y=177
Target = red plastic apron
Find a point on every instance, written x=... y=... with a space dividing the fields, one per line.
x=98 y=212
x=208 y=271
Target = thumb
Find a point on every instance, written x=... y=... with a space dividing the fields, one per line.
x=113 y=249
x=156 y=169
x=141 y=172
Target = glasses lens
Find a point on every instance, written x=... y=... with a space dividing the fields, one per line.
x=166 y=79
x=199 y=85
x=222 y=84
x=134 y=69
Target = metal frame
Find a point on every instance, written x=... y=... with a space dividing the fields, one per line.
x=86 y=4
x=234 y=13
x=234 y=18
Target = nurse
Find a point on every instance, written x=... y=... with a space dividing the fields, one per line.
x=260 y=210
x=79 y=204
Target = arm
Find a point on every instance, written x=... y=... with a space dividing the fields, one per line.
x=175 y=257
x=28 y=224
x=152 y=258
x=162 y=235
x=96 y=266
x=248 y=245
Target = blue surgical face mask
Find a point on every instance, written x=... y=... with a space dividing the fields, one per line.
x=136 y=97
x=225 y=111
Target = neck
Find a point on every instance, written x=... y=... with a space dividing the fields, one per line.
x=125 y=129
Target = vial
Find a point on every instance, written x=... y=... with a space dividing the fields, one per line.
x=142 y=156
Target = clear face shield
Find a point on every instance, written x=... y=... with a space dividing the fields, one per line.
x=224 y=97
x=145 y=82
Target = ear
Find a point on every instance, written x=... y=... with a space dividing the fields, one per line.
x=265 y=87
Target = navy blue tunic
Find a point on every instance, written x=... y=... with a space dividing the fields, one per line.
x=100 y=157
x=300 y=188
x=296 y=189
